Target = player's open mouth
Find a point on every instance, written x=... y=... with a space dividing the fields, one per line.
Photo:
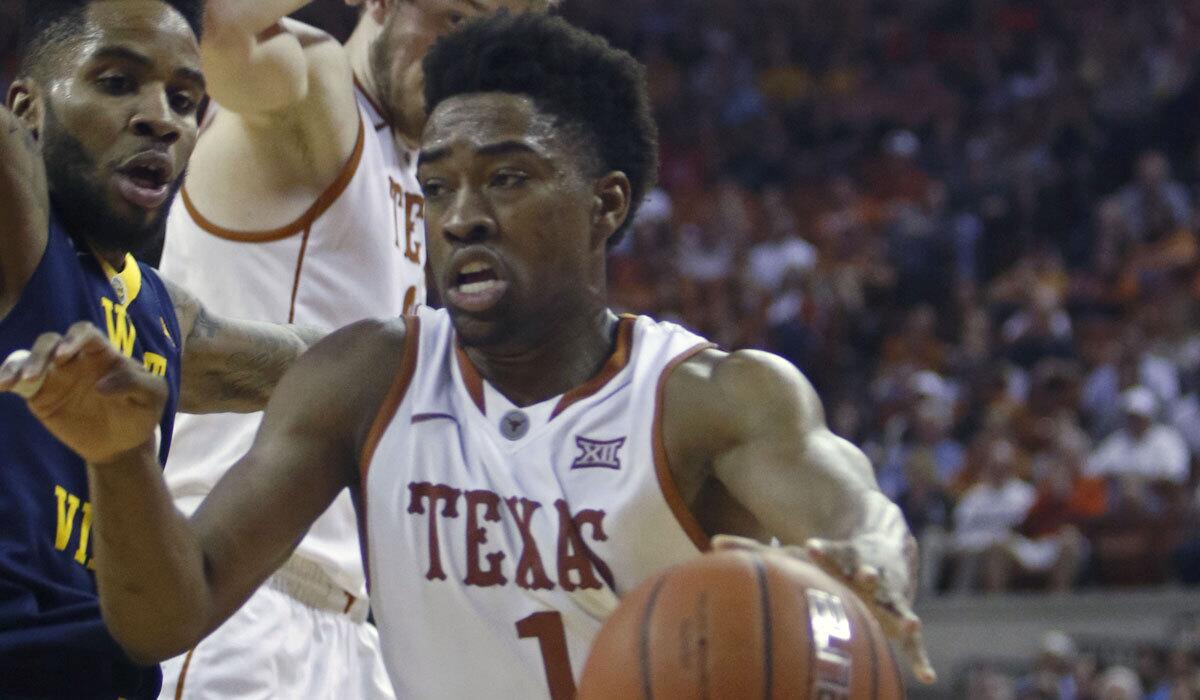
x=144 y=180
x=476 y=287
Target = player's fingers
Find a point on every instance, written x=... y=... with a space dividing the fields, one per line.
x=867 y=581
x=82 y=337
x=918 y=656
x=10 y=369
x=734 y=542
x=839 y=557
x=132 y=382
x=39 y=356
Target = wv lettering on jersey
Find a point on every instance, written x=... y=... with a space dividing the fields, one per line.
x=123 y=335
x=572 y=564
x=72 y=509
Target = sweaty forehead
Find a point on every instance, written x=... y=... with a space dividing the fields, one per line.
x=480 y=119
x=151 y=26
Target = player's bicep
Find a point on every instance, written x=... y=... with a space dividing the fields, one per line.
x=780 y=461
x=301 y=459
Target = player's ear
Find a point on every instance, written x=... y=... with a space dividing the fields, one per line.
x=25 y=101
x=610 y=205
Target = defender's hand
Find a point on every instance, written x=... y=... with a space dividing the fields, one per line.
x=879 y=572
x=87 y=394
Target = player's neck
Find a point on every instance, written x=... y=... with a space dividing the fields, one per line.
x=569 y=355
x=115 y=259
x=358 y=52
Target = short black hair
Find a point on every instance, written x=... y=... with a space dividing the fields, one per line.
x=570 y=74
x=52 y=24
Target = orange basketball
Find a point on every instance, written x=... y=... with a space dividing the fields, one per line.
x=741 y=625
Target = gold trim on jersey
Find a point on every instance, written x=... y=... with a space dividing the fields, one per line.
x=127 y=283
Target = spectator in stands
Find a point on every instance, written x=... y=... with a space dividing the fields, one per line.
x=781 y=251
x=1040 y=329
x=1154 y=203
x=986 y=518
x=1145 y=461
x=1119 y=683
x=1053 y=676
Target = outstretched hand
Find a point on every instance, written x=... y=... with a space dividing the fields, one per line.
x=88 y=395
x=880 y=575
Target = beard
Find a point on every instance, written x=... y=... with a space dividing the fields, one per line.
x=402 y=96
x=78 y=197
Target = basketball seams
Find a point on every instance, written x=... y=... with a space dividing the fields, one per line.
x=864 y=615
x=764 y=601
x=644 y=641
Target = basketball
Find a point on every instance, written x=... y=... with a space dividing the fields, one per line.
x=741 y=625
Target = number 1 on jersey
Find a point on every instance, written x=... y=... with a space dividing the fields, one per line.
x=547 y=629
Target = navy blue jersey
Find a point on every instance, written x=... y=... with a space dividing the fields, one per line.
x=53 y=642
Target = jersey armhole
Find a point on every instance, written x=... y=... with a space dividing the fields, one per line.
x=666 y=482
x=395 y=395
x=383 y=418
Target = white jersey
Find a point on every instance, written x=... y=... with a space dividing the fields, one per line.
x=358 y=252
x=500 y=538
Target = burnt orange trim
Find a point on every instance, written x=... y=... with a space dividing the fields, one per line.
x=391 y=402
x=374 y=105
x=662 y=468
x=296 y=281
x=187 y=661
x=319 y=207
x=349 y=604
x=471 y=378
x=387 y=411
x=616 y=362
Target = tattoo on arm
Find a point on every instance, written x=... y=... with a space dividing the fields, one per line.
x=233 y=366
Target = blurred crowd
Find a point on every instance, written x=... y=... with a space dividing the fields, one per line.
x=1062 y=669
x=972 y=224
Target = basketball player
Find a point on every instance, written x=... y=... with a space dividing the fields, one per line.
x=99 y=125
x=520 y=459
x=301 y=205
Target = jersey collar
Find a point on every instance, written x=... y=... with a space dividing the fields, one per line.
x=126 y=283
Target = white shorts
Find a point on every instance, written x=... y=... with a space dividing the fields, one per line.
x=277 y=647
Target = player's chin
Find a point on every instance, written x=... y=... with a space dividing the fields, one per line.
x=478 y=329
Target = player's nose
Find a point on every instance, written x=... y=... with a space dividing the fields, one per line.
x=468 y=220
x=154 y=119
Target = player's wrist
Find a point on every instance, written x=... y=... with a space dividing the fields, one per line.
x=132 y=458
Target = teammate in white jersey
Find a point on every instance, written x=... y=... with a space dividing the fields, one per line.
x=520 y=460
x=301 y=205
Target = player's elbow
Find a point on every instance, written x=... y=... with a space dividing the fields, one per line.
x=150 y=632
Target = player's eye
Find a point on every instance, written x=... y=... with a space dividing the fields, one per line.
x=432 y=189
x=508 y=179
x=182 y=103
x=454 y=18
x=116 y=83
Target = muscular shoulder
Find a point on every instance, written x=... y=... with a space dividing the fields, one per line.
x=744 y=386
x=338 y=386
x=716 y=399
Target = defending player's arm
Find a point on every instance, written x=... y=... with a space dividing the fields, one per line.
x=25 y=206
x=254 y=63
x=757 y=428
x=232 y=366
x=166 y=581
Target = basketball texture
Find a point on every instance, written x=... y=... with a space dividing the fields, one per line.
x=741 y=625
